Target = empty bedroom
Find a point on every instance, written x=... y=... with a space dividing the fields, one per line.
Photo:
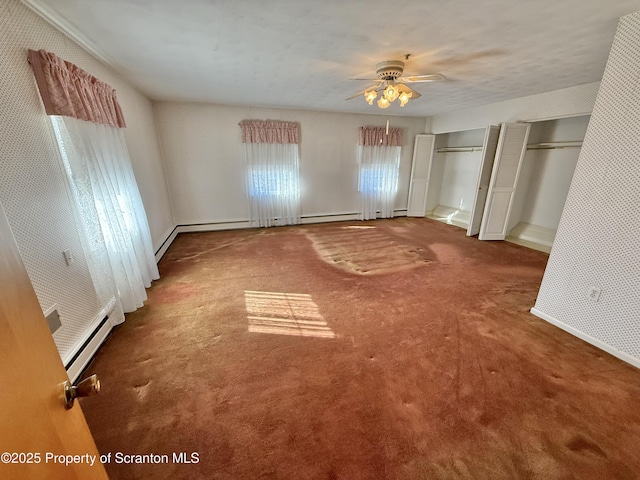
x=305 y=240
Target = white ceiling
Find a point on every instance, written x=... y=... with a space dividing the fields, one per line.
x=301 y=53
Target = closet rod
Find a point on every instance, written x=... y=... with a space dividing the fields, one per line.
x=459 y=149
x=553 y=145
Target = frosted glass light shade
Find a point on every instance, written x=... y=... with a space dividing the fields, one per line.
x=370 y=96
x=383 y=102
x=391 y=92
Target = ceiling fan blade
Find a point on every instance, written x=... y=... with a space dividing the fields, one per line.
x=434 y=77
x=414 y=93
x=371 y=87
x=367 y=79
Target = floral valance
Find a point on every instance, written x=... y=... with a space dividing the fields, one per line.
x=378 y=136
x=269 y=131
x=68 y=90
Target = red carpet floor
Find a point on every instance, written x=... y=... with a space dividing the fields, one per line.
x=394 y=349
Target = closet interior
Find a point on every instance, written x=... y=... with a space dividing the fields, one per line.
x=547 y=169
x=459 y=176
x=456 y=189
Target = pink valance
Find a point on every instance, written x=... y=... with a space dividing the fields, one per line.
x=377 y=136
x=269 y=131
x=68 y=90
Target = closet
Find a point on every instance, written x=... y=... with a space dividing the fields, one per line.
x=553 y=148
x=503 y=183
x=457 y=171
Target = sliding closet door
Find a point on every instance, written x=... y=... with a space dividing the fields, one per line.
x=489 y=147
x=512 y=146
x=420 y=172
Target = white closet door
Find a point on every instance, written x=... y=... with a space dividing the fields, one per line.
x=420 y=171
x=512 y=146
x=489 y=147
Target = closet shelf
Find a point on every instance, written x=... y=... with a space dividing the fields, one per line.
x=553 y=145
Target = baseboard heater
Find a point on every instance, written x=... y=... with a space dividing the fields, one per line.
x=79 y=361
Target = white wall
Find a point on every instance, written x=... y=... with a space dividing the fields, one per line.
x=568 y=102
x=548 y=186
x=32 y=190
x=598 y=240
x=204 y=159
x=459 y=179
x=454 y=175
x=146 y=159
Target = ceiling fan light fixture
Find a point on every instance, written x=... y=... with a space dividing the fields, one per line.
x=370 y=96
x=391 y=84
x=405 y=94
x=391 y=92
x=404 y=98
x=383 y=102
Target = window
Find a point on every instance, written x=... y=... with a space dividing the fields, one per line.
x=271 y=155
x=274 y=180
x=379 y=178
x=111 y=219
x=379 y=159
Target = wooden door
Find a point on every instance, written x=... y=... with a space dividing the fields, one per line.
x=419 y=184
x=512 y=145
x=489 y=147
x=34 y=423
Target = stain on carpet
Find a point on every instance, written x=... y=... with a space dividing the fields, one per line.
x=365 y=250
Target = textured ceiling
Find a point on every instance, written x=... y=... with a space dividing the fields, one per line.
x=301 y=53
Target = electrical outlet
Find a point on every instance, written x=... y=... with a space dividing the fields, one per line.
x=594 y=294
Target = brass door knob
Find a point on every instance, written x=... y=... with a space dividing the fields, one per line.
x=87 y=387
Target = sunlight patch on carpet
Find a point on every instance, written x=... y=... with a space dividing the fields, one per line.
x=285 y=314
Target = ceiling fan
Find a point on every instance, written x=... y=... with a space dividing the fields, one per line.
x=393 y=85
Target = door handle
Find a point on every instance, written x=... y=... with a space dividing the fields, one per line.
x=87 y=387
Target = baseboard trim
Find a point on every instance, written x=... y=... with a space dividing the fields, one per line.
x=525 y=243
x=534 y=234
x=341 y=217
x=169 y=237
x=336 y=217
x=78 y=361
x=212 y=227
x=625 y=357
x=240 y=224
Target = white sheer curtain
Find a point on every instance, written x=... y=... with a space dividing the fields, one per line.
x=112 y=219
x=379 y=160
x=273 y=186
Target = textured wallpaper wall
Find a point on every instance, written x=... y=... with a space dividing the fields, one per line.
x=32 y=190
x=598 y=240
